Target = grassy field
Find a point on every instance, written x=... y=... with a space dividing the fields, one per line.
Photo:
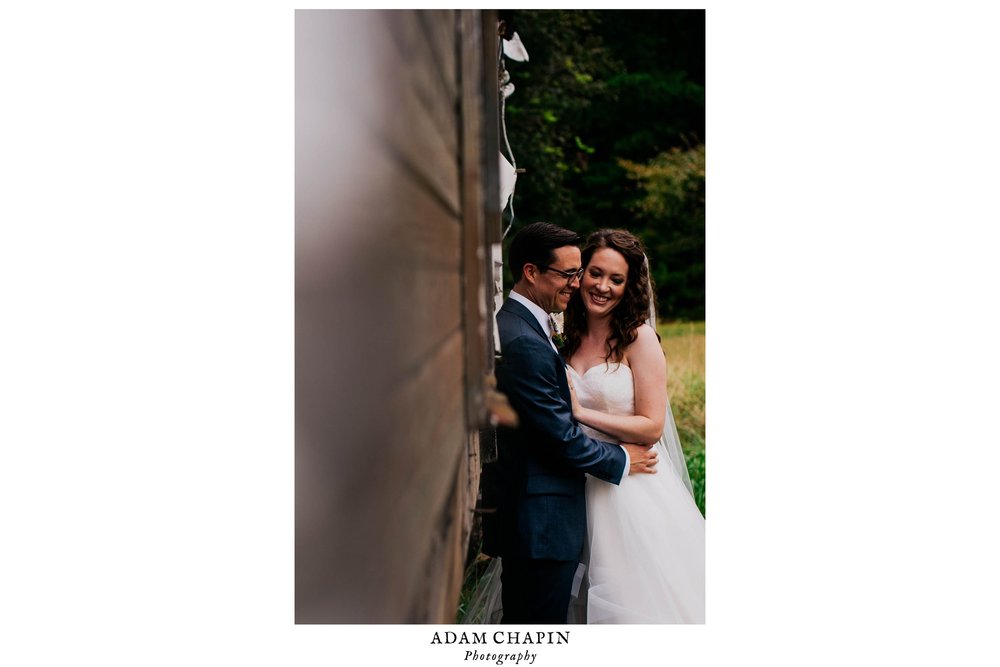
x=684 y=346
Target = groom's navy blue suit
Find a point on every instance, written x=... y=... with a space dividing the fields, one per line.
x=538 y=488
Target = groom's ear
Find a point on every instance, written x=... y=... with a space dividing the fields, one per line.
x=529 y=273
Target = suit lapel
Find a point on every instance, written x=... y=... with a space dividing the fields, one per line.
x=515 y=308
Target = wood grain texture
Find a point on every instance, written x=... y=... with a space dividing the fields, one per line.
x=388 y=228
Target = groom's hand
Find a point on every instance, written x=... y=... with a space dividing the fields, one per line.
x=642 y=458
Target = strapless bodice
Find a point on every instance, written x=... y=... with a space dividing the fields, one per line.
x=607 y=388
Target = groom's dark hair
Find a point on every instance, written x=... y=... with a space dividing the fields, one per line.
x=536 y=244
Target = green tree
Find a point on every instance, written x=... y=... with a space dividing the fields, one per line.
x=554 y=93
x=672 y=205
x=602 y=87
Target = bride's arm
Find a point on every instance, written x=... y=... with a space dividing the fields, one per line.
x=649 y=374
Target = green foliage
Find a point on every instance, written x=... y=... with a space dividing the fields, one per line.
x=696 y=470
x=684 y=346
x=604 y=87
x=688 y=407
x=673 y=183
x=554 y=92
x=672 y=204
x=589 y=150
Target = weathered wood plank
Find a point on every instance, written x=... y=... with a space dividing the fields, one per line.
x=354 y=83
x=386 y=265
x=439 y=30
x=380 y=491
x=422 y=67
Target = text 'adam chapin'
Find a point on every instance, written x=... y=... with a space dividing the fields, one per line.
x=500 y=637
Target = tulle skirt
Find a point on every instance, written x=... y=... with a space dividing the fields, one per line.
x=645 y=552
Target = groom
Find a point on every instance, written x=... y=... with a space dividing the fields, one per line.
x=541 y=522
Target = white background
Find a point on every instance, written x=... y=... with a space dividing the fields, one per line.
x=146 y=363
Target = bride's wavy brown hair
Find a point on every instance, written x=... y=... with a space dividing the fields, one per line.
x=631 y=311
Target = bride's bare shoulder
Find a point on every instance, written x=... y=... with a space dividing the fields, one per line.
x=645 y=335
x=645 y=347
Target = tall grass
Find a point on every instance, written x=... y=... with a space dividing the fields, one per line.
x=684 y=346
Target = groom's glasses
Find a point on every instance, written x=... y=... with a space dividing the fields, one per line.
x=568 y=275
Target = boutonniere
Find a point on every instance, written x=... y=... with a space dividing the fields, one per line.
x=558 y=337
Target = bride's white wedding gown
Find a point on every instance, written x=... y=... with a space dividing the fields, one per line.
x=646 y=537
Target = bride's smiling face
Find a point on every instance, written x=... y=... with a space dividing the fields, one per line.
x=603 y=283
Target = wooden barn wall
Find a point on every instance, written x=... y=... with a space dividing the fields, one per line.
x=392 y=181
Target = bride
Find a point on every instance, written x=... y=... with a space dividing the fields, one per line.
x=645 y=552
x=644 y=558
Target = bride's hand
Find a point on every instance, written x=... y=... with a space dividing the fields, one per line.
x=574 y=401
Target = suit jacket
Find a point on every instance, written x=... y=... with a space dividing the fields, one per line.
x=537 y=482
